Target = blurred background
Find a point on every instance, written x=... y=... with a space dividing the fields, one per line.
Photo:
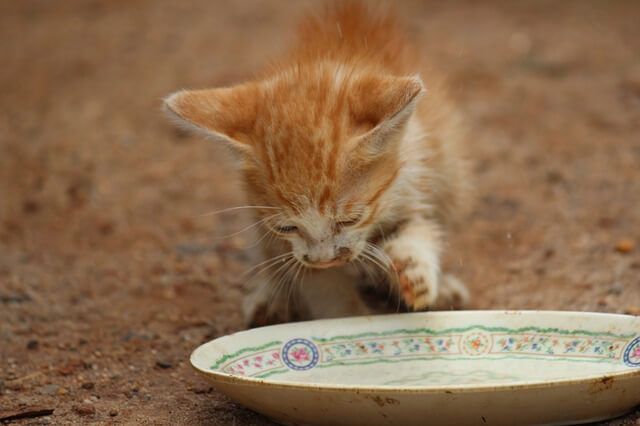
x=110 y=276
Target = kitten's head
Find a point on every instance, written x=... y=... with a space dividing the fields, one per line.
x=319 y=146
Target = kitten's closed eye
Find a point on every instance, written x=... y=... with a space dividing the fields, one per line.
x=348 y=222
x=286 y=229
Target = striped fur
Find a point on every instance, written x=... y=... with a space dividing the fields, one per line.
x=343 y=143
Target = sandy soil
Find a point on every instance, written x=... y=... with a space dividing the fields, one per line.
x=109 y=276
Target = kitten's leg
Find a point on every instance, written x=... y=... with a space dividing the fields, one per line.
x=264 y=306
x=415 y=253
x=331 y=293
x=269 y=291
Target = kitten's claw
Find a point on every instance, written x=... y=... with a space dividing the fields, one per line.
x=418 y=283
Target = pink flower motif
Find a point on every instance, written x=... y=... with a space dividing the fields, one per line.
x=300 y=354
x=258 y=358
x=246 y=362
x=276 y=355
x=636 y=353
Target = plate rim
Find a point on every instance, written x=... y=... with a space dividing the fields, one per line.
x=228 y=378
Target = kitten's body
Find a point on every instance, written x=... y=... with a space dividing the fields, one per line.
x=352 y=165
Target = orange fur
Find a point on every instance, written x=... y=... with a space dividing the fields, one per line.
x=337 y=137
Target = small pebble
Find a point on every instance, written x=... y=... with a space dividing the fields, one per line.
x=616 y=289
x=113 y=413
x=164 y=364
x=200 y=389
x=625 y=246
x=33 y=344
x=50 y=389
x=88 y=385
x=606 y=222
x=520 y=43
x=554 y=176
x=84 y=409
x=65 y=370
x=15 y=386
x=182 y=268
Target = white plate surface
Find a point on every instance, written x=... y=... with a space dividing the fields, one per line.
x=467 y=367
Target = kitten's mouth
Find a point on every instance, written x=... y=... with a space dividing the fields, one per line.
x=325 y=265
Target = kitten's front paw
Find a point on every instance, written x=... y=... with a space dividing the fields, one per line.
x=415 y=270
x=417 y=282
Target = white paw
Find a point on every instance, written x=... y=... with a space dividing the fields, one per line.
x=415 y=270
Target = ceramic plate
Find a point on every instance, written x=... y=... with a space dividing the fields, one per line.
x=467 y=367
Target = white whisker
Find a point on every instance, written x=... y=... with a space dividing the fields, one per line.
x=258 y=241
x=259 y=222
x=230 y=209
x=273 y=260
x=280 y=283
x=371 y=256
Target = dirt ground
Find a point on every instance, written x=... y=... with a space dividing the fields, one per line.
x=110 y=276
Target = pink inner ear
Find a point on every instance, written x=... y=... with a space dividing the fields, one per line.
x=229 y=113
x=380 y=107
x=375 y=99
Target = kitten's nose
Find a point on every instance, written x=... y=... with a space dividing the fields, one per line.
x=342 y=254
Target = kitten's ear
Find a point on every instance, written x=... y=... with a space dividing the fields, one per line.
x=380 y=108
x=227 y=114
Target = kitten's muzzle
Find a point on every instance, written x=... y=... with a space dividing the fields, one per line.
x=343 y=255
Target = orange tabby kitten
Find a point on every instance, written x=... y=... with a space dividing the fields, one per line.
x=353 y=160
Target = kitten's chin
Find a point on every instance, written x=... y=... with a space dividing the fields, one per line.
x=325 y=265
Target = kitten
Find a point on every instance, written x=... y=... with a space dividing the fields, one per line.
x=354 y=162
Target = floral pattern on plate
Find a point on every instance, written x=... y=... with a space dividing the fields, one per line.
x=632 y=353
x=474 y=342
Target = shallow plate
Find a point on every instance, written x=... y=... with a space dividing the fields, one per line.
x=468 y=367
